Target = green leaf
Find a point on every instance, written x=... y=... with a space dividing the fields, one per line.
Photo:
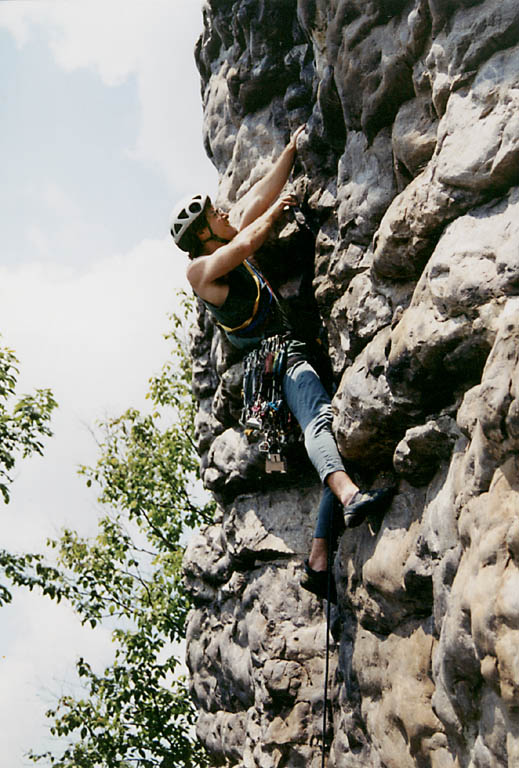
x=128 y=577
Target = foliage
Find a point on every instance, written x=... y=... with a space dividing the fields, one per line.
x=24 y=422
x=29 y=570
x=138 y=711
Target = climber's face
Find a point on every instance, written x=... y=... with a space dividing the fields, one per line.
x=218 y=227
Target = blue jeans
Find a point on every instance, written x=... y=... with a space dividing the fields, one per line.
x=310 y=403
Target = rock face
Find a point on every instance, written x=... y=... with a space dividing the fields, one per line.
x=408 y=177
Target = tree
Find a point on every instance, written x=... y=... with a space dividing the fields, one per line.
x=24 y=422
x=138 y=712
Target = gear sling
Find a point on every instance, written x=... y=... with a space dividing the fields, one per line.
x=264 y=408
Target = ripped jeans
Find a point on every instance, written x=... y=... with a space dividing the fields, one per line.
x=310 y=403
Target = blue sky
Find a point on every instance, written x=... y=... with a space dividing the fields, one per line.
x=67 y=130
x=100 y=133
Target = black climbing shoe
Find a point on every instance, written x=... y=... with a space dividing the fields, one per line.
x=317 y=583
x=366 y=503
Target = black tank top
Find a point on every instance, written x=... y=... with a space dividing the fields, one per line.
x=250 y=298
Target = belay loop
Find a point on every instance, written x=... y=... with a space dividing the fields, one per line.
x=264 y=407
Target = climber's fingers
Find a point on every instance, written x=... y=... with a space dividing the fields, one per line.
x=296 y=134
x=287 y=201
x=283 y=203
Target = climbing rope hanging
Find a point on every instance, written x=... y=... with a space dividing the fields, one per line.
x=327 y=654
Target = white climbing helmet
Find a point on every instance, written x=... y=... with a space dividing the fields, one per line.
x=185 y=213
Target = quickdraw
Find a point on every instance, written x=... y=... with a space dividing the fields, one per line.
x=264 y=407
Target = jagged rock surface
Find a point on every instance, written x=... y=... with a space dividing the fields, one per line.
x=408 y=177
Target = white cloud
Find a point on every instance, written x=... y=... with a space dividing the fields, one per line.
x=57 y=229
x=95 y=338
x=38 y=241
x=14 y=19
x=34 y=674
x=90 y=331
x=106 y=316
x=58 y=201
x=62 y=227
x=153 y=42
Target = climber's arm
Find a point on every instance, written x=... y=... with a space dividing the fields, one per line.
x=205 y=271
x=266 y=190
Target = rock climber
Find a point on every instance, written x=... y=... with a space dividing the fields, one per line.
x=243 y=303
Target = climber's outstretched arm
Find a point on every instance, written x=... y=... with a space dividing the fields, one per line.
x=204 y=272
x=266 y=190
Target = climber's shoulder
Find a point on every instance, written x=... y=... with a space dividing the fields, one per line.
x=212 y=290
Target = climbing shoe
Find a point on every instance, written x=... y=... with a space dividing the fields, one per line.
x=366 y=503
x=317 y=583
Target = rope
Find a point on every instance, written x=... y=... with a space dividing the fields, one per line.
x=327 y=662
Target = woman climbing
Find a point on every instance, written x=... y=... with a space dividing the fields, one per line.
x=243 y=303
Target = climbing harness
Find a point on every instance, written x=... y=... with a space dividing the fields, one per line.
x=264 y=407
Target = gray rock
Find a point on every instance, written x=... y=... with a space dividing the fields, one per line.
x=414 y=136
x=422 y=449
x=409 y=176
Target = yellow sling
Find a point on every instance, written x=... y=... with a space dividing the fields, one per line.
x=256 y=303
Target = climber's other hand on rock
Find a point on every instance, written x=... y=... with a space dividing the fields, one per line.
x=295 y=136
x=282 y=204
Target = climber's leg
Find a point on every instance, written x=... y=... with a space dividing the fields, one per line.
x=342 y=486
x=310 y=403
x=330 y=525
x=318 y=557
x=329 y=517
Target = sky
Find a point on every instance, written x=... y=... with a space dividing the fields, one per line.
x=100 y=134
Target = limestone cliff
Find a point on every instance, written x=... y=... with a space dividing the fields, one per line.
x=408 y=179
